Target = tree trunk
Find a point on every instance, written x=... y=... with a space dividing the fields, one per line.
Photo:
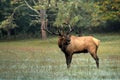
x=43 y=25
x=1 y=34
x=43 y=32
x=79 y=32
x=8 y=34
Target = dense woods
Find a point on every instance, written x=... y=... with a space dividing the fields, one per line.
x=20 y=19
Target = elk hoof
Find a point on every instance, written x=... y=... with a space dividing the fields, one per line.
x=68 y=66
x=97 y=66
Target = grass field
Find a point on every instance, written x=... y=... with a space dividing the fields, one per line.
x=43 y=60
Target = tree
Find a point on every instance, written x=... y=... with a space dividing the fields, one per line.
x=78 y=13
x=39 y=9
x=14 y=19
x=110 y=11
x=7 y=20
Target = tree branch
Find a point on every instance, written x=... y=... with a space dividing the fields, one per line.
x=34 y=15
x=34 y=2
x=31 y=7
x=39 y=1
x=16 y=9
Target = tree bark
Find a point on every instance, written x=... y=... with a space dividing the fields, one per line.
x=42 y=14
x=43 y=32
x=8 y=34
x=43 y=25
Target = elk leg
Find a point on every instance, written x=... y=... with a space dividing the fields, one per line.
x=96 y=59
x=97 y=62
x=68 y=60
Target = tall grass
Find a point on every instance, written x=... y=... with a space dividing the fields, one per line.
x=43 y=60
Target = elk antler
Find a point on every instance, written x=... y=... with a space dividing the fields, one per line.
x=51 y=32
x=70 y=29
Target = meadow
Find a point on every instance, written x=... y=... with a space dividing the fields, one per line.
x=36 y=59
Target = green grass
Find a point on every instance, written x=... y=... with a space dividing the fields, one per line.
x=42 y=60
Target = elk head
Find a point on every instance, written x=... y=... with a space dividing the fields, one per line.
x=64 y=37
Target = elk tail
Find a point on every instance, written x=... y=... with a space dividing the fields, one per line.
x=97 y=42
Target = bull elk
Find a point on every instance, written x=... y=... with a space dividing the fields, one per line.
x=70 y=45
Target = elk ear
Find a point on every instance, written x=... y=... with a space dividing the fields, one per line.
x=69 y=35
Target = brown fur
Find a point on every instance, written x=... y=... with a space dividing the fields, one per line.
x=73 y=44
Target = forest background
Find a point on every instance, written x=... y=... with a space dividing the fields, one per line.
x=23 y=19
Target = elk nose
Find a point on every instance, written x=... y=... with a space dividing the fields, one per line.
x=68 y=40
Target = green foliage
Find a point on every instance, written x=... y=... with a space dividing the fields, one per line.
x=8 y=9
x=98 y=15
x=78 y=13
x=9 y=21
x=8 y=24
x=110 y=9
